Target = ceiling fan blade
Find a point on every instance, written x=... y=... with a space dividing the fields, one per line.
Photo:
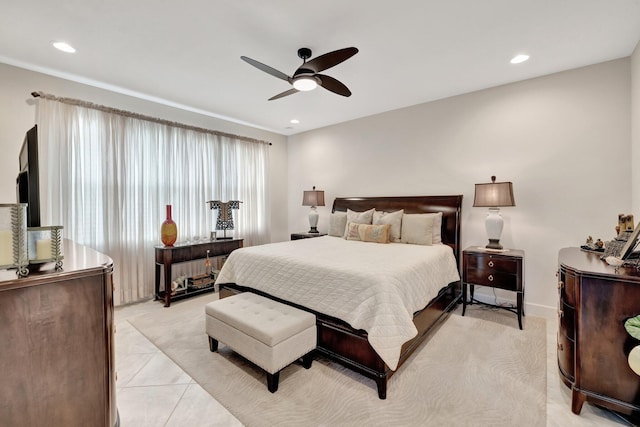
x=329 y=60
x=333 y=85
x=266 y=68
x=283 y=94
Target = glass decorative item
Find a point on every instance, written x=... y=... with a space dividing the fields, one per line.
x=168 y=230
x=13 y=248
x=45 y=245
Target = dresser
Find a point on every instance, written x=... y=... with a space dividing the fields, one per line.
x=595 y=300
x=56 y=344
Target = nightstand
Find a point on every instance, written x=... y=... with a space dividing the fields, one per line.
x=496 y=269
x=298 y=236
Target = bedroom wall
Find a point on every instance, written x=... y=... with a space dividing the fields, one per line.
x=18 y=114
x=635 y=128
x=563 y=140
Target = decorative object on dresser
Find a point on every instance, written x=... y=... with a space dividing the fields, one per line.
x=494 y=195
x=298 y=236
x=593 y=345
x=57 y=340
x=504 y=270
x=225 y=216
x=313 y=198
x=362 y=347
x=166 y=256
x=625 y=223
x=13 y=238
x=169 y=229
x=44 y=246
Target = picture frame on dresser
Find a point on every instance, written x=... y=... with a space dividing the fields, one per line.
x=631 y=243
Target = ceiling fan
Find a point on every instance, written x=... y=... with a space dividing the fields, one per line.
x=307 y=76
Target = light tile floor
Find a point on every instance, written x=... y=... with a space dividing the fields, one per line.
x=153 y=391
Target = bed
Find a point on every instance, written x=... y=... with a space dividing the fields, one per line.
x=376 y=346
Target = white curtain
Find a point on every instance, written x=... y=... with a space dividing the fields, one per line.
x=109 y=177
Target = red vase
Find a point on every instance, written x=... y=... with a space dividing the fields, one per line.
x=169 y=230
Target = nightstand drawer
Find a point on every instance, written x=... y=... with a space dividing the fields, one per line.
x=493 y=278
x=494 y=264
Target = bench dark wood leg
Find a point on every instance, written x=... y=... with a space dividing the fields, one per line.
x=272 y=381
x=307 y=359
x=213 y=344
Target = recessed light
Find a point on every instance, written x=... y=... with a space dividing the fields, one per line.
x=294 y=121
x=519 y=58
x=65 y=47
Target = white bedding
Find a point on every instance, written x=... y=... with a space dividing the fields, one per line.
x=371 y=286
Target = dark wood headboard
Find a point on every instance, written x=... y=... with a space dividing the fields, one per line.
x=450 y=206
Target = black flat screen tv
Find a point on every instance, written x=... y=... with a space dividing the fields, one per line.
x=28 y=181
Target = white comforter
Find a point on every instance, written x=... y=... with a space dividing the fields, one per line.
x=371 y=286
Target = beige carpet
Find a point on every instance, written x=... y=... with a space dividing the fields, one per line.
x=477 y=370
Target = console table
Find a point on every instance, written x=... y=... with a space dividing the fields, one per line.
x=166 y=256
x=593 y=345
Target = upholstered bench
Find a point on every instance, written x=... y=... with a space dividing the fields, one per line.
x=270 y=334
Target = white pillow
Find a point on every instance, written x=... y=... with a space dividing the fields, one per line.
x=359 y=218
x=417 y=229
x=337 y=224
x=392 y=218
x=437 y=227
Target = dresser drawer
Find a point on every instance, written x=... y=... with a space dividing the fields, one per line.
x=495 y=279
x=492 y=263
x=566 y=320
x=565 y=356
x=568 y=288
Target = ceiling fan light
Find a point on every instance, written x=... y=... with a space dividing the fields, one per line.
x=305 y=83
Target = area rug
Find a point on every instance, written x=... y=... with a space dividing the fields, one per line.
x=476 y=370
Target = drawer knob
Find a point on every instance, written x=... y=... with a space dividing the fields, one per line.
x=560 y=284
x=490 y=277
x=491 y=264
x=560 y=347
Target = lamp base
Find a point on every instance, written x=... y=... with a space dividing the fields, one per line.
x=494 y=244
x=313 y=220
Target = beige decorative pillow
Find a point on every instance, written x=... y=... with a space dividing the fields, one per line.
x=392 y=218
x=359 y=218
x=374 y=233
x=337 y=224
x=417 y=229
x=368 y=232
x=351 y=232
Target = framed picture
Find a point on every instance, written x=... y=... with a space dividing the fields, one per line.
x=628 y=248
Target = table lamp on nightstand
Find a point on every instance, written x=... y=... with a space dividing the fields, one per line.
x=493 y=195
x=313 y=198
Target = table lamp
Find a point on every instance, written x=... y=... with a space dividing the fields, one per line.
x=494 y=195
x=313 y=198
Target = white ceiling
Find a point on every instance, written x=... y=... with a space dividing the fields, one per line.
x=187 y=52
